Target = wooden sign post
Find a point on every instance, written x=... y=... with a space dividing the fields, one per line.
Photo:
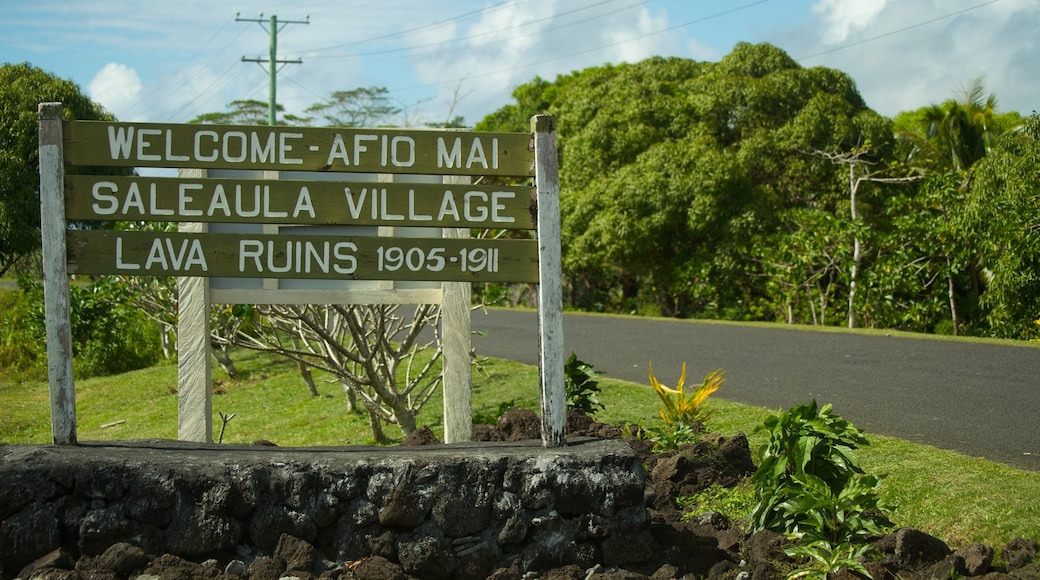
x=283 y=249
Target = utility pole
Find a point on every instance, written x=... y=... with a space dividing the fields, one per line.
x=272 y=58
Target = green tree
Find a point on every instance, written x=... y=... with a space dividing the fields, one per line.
x=946 y=142
x=675 y=174
x=248 y=112
x=22 y=88
x=1002 y=213
x=956 y=134
x=360 y=107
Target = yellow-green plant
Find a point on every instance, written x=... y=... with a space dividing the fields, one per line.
x=680 y=407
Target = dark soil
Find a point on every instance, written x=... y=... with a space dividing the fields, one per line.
x=705 y=545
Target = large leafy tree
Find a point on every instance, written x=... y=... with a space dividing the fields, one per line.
x=22 y=88
x=248 y=112
x=360 y=107
x=945 y=142
x=955 y=135
x=1002 y=214
x=677 y=175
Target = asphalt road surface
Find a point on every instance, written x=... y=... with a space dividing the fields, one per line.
x=979 y=399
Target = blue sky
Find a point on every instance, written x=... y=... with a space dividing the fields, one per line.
x=171 y=61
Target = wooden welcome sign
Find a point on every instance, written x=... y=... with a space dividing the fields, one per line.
x=282 y=247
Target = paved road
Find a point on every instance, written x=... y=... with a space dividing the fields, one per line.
x=979 y=399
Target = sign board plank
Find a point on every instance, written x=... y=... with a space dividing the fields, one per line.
x=301 y=256
x=422 y=151
x=110 y=198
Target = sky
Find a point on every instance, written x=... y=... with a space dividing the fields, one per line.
x=168 y=62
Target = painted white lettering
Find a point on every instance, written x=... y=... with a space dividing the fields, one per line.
x=142 y=144
x=386 y=212
x=448 y=207
x=412 y=215
x=475 y=212
x=120 y=263
x=133 y=199
x=355 y=207
x=239 y=210
x=338 y=151
x=219 y=202
x=451 y=158
x=154 y=203
x=169 y=149
x=185 y=198
x=120 y=142
x=250 y=249
x=285 y=148
x=211 y=135
x=156 y=255
x=359 y=146
x=314 y=256
x=227 y=144
x=343 y=251
x=196 y=257
x=262 y=152
x=303 y=203
x=111 y=200
x=395 y=152
x=497 y=206
x=268 y=212
x=272 y=254
x=476 y=155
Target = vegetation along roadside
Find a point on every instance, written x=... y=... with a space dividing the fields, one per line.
x=958 y=498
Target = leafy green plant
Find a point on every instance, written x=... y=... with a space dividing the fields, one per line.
x=734 y=502
x=682 y=408
x=672 y=436
x=107 y=335
x=825 y=558
x=581 y=386
x=809 y=486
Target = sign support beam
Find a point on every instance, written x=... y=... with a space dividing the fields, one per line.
x=550 y=286
x=55 y=275
x=194 y=363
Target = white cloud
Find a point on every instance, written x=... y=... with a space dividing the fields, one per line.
x=920 y=52
x=115 y=87
x=700 y=51
x=841 y=17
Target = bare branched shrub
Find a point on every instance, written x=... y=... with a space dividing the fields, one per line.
x=364 y=347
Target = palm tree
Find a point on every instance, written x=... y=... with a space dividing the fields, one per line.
x=951 y=138
x=959 y=132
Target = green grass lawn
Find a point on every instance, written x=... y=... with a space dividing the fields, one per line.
x=957 y=498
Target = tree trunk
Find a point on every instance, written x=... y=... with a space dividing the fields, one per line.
x=167 y=338
x=305 y=372
x=952 y=295
x=352 y=406
x=857 y=255
x=224 y=359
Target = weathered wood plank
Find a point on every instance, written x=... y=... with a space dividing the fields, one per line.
x=457 y=343
x=418 y=151
x=55 y=277
x=110 y=198
x=550 y=283
x=301 y=256
x=194 y=359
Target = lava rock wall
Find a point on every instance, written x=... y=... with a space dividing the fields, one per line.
x=445 y=511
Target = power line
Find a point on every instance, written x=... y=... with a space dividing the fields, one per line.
x=272 y=60
x=600 y=47
x=410 y=30
x=897 y=31
x=412 y=49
